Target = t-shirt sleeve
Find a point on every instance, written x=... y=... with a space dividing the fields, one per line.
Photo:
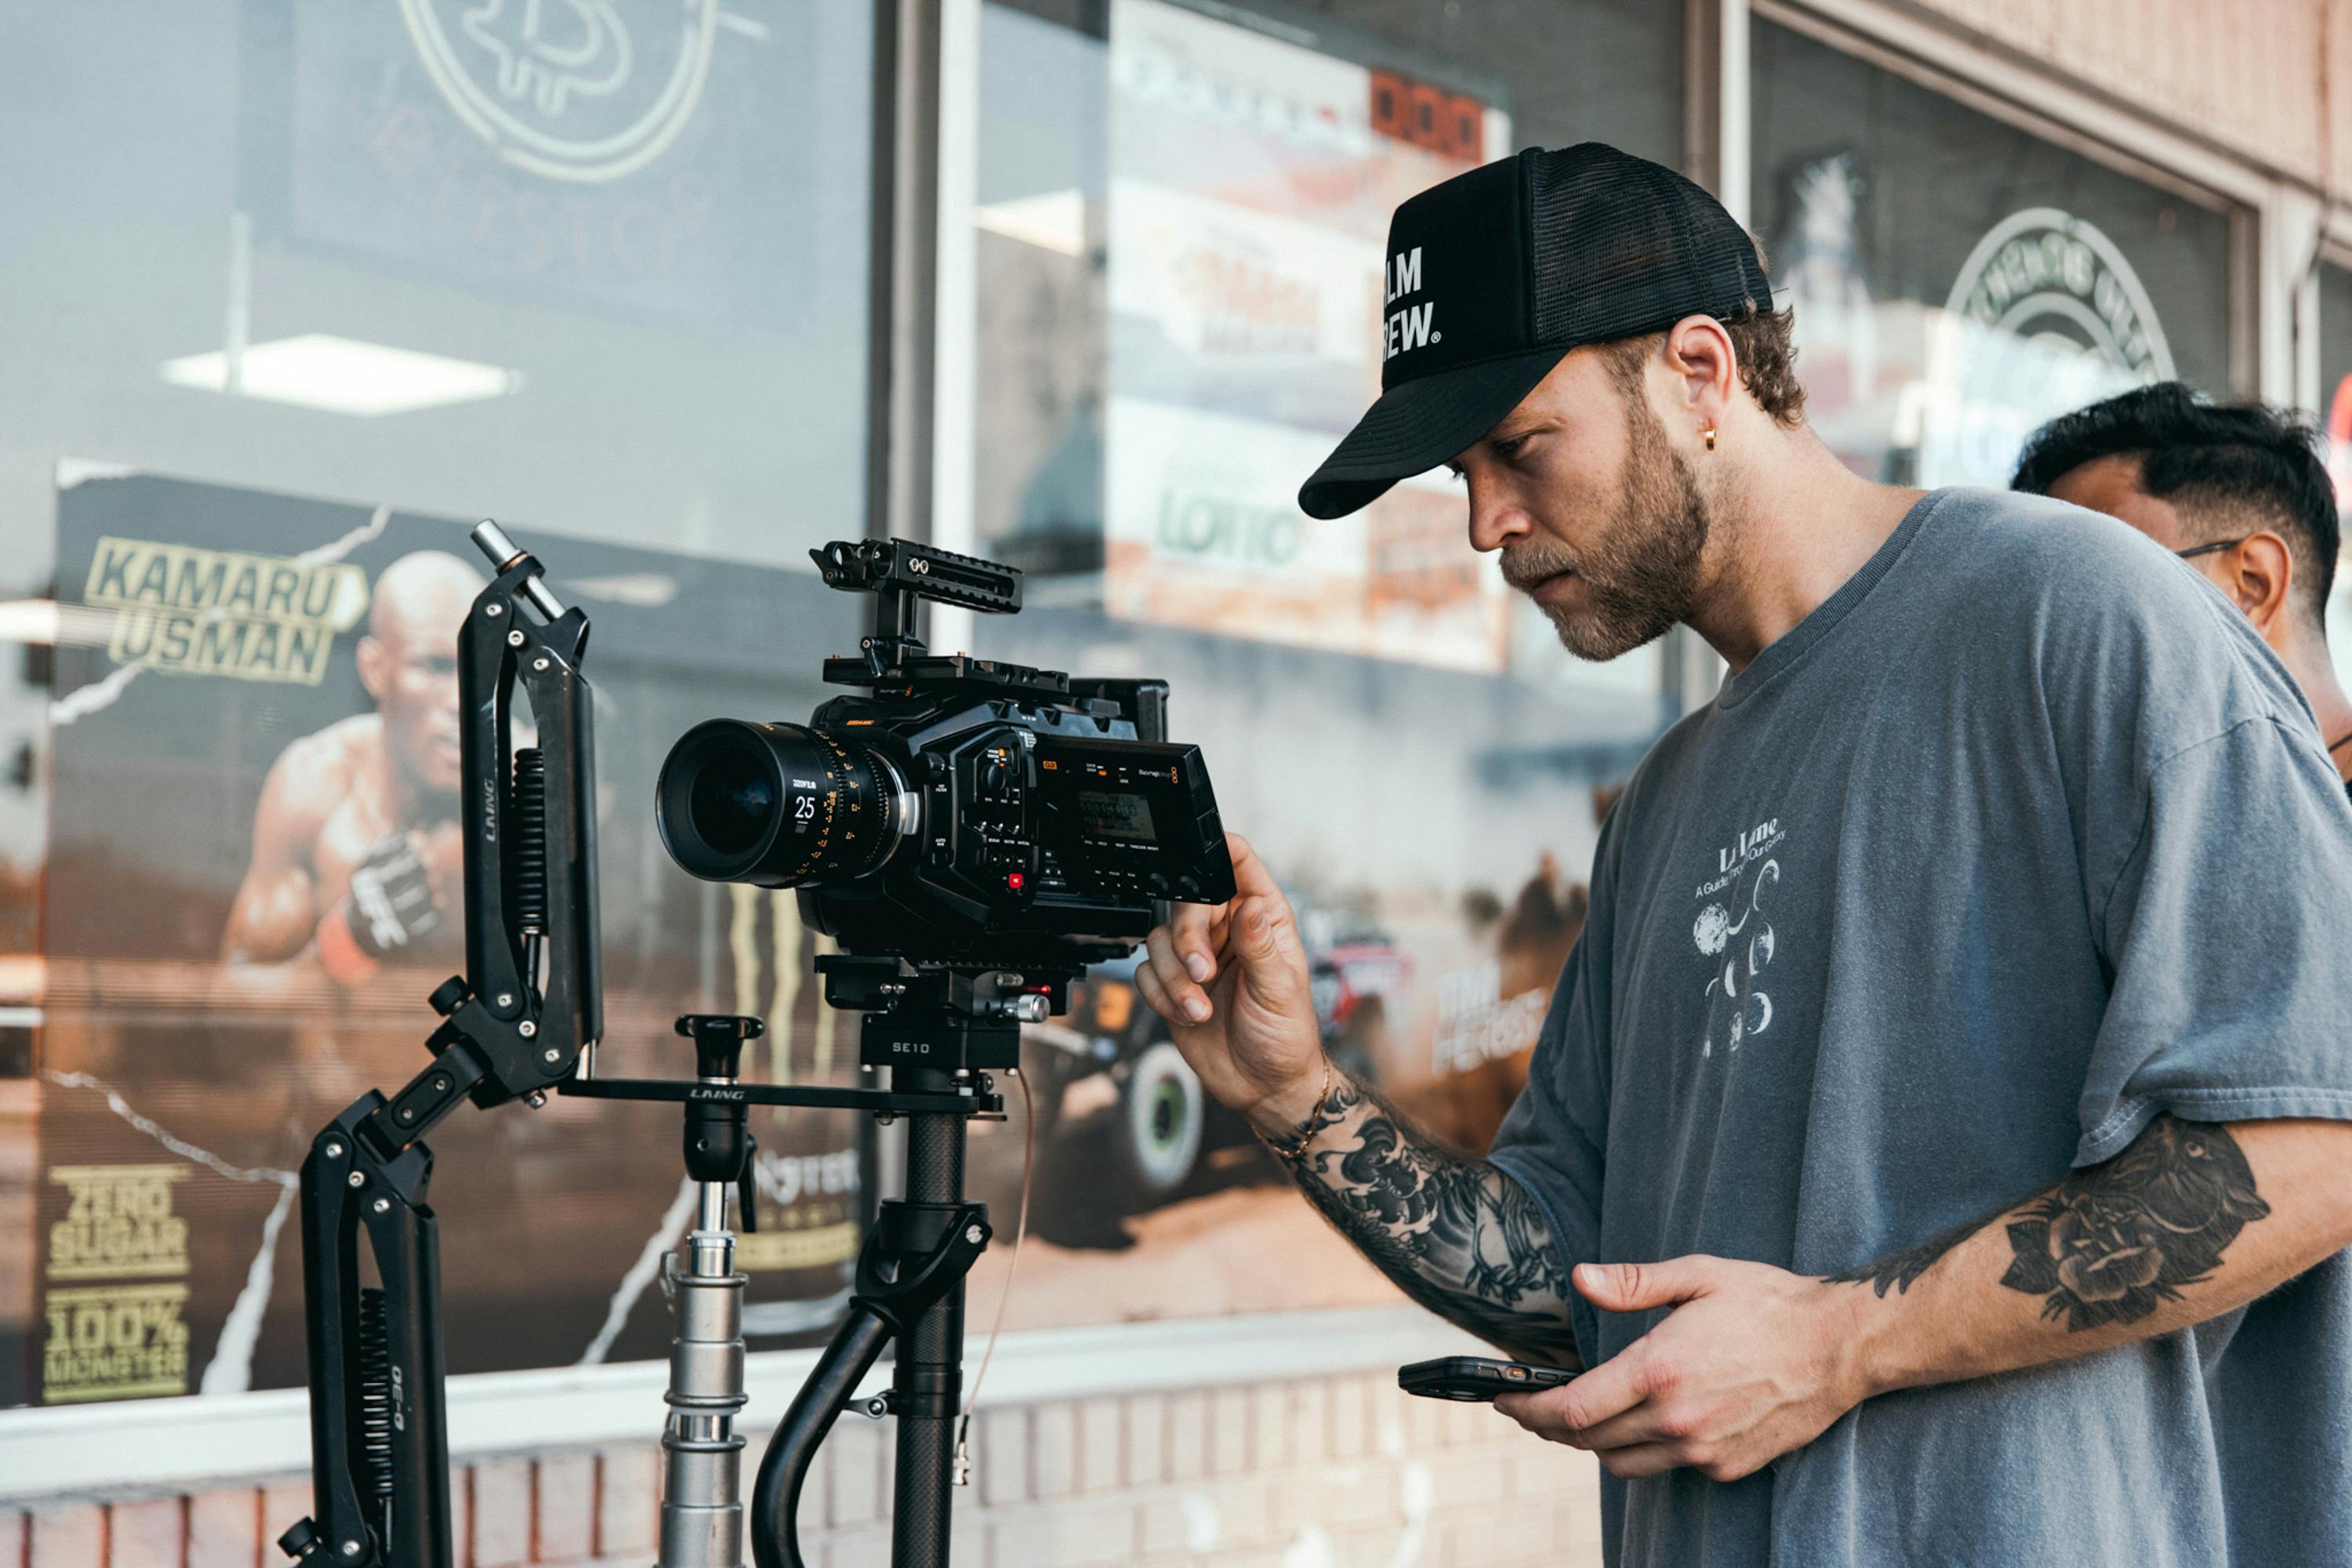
x=2226 y=929
x=1551 y=1141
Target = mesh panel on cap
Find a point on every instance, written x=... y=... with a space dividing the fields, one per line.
x=1624 y=246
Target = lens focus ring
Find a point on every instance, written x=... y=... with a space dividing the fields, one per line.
x=849 y=830
x=776 y=805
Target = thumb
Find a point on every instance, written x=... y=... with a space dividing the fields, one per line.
x=1638 y=1286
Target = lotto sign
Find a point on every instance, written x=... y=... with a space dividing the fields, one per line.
x=1252 y=180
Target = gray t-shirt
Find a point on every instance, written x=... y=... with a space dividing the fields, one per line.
x=2018 y=839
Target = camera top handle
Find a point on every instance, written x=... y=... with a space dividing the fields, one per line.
x=901 y=574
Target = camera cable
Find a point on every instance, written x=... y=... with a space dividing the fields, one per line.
x=1012 y=1268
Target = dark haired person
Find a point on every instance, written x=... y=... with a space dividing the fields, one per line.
x=1953 y=1064
x=2238 y=491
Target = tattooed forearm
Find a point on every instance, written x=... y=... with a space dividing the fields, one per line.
x=1455 y=1234
x=2112 y=1244
x=1901 y=1268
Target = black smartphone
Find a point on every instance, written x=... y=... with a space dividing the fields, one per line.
x=1475 y=1377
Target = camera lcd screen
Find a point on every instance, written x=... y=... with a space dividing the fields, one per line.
x=1106 y=813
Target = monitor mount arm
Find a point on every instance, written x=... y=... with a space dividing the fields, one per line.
x=514 y=1025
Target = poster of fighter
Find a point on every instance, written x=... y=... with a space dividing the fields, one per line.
x=225 y=971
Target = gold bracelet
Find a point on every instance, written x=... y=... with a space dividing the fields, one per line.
x=1297 y=1147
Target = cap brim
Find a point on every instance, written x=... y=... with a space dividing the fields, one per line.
x=1419 y=424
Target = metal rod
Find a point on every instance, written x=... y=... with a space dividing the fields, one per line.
x=493 y=542
x=702 y=1454
x=503 y=551
x=929 y=1379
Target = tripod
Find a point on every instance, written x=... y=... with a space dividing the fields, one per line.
x=941 y=1030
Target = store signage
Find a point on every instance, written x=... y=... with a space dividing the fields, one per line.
x=1252 y=182
x=2042 y=274
x=657 y=158
x=2046 y=316
x=585 y=91
x=222 y=612
x=111 y=1331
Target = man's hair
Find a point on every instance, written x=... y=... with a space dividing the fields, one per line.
x=2228 y=468
x=1762 y=345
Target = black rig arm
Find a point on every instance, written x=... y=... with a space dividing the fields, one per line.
x=514 y=1024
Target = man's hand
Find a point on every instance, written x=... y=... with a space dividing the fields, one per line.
x=1231 y=980
x=1752 y=1361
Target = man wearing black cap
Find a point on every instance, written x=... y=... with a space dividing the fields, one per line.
x=1954 y=1056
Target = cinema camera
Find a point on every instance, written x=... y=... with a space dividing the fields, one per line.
x=971 y=832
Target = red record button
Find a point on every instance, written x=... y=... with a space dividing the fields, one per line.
x=1014 y=881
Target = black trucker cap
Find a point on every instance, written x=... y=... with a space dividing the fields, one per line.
x=1495 y=275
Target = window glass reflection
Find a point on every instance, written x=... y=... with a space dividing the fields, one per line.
x=1957 y=281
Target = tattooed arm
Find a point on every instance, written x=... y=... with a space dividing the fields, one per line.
x=2191 y=1220
x=1454 y=1233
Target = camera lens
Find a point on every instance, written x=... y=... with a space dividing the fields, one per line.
x=732 y=800
x=776 y=805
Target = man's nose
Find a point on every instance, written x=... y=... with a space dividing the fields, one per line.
x=1495 y=519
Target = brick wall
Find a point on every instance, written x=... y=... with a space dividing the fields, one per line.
x=2245 y=73
x=1309 y=1474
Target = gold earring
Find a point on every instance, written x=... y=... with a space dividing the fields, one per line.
x=1706 y=433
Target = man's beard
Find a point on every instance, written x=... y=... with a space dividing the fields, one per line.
x=1642 y=575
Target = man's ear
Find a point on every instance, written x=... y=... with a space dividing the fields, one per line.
x=1706 y=369
x=2261 y=578
x=374 y=660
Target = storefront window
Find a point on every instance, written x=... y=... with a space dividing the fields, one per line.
x=2335 y=415
x=1181 y=211
x=295 y=293
x=1956 y=281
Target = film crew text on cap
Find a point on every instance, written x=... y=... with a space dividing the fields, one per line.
x=1491 y=277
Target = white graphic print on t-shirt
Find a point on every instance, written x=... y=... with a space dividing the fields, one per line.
x=1736 y=938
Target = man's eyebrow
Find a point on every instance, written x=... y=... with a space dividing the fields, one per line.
x=1510 y=429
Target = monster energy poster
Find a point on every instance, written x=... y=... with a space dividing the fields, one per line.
x=253 y=886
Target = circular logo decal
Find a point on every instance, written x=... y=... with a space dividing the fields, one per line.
x=573 y=90
x=2046 y=316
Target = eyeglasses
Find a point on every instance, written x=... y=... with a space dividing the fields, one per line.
x=2208 y=549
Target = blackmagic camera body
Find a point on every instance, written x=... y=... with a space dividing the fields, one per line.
x=960 y=814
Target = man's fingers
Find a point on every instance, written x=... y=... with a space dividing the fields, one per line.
x=1637 y=1286
x=1265 y=937
x=1200 y=932
x=1645 y=1422
x=1190 y=1002
x=1643 y=1459
x=1155 y=998
x=1614 y=1387
x=1531 y=1411
x=1197 y=931
x=1250 y=878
